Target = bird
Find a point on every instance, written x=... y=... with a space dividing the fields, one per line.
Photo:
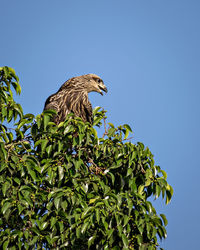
x=72 y=97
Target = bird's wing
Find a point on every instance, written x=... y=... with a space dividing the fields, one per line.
x=57 y=103
x=70 y=100
x=82 y=107
x=50 y=103
x=88 y=112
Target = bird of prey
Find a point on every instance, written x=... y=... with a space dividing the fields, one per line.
x=73 y=97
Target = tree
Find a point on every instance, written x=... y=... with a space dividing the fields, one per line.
x=65 y=187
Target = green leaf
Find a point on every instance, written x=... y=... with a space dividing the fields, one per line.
x=91 y=240
x=119 y=228
x=61 y=226
x=125 y=240
x=169 y=193
x=88 y=210
x=57 y=203
x=49 y=112
x=53 y=221
x=21 y=123
x=164 y=219
x=97 y=212
x=68 y=129
x=149 y=206
x=46 y=121
x=5 y=187
x=3 y=152
x=44 y=225
x=64 y=205
x=164 y=174
x=111 y=125
x=168 y=197
x=126 y=134
x=84 y=227
x=20 y=208
x=92 y=200
x=5 y=245
x=85 y=187
x=139 y=239
x=148 y=228
x=49 y=149
x=126 y=220
x=60 y=172
x=158 y=190
x=128 y=127
x=111 y=132
x=141 y=189
x=44 y=144
x=129 y=171
x=6 y=206
x=31 y=172
x=95 y=110
x=97 y=121
x=78 y=232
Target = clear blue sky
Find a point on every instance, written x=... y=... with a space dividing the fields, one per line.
x=148 y=54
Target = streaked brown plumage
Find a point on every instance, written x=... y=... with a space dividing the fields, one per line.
x=73 y=97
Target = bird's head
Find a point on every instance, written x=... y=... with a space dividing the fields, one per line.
x=95 y=83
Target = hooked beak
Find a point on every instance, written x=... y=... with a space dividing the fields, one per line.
x=103 y=87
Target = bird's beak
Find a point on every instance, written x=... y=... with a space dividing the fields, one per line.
x=103 y=87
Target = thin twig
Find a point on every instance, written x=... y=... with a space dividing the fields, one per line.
x=98 y=169
x=106 y=132
x=127 y=139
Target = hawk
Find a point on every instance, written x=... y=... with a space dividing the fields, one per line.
x=73 y=97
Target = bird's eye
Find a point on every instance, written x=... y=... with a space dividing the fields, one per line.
x=99 y=80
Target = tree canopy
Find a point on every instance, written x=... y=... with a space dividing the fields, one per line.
x=64 y=187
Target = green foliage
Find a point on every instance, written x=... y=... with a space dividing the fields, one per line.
x=65 y=187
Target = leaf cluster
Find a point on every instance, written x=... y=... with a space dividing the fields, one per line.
x=65 y=187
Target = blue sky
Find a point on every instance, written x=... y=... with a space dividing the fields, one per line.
x=148 y=54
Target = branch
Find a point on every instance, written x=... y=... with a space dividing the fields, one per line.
x=106 y=132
